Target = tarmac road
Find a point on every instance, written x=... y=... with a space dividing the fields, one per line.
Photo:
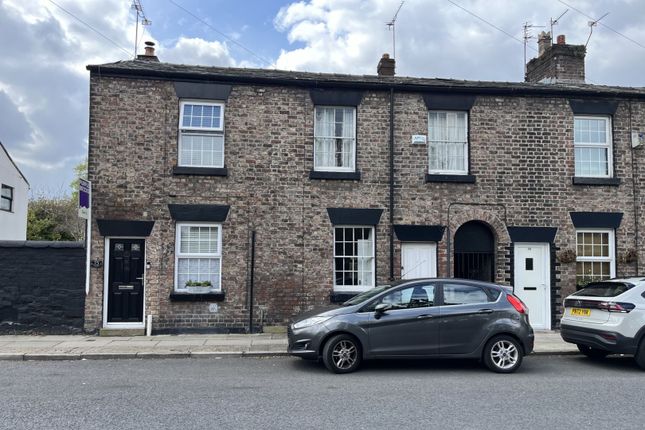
x=561 y=392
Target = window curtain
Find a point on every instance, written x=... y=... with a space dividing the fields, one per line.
x=447 y=132
x=325 y=143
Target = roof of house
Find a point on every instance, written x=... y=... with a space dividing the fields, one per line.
x=13 y=162
x=152 y=69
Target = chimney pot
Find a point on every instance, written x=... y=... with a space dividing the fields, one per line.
x=385 y=66
x=149 y=53
x=562 y=40
x=544 y=41
x=150 y=49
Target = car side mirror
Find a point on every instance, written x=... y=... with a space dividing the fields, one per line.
x=381 y=308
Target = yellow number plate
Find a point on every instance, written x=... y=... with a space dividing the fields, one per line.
x=580 y=312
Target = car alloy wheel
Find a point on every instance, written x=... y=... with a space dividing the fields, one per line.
x=342 y=354
x=503 y=354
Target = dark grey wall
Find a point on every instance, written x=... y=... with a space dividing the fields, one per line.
x=42 y=287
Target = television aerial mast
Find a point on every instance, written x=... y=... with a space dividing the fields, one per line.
x=138 y=7
x=591 y=25
x=556 y=22
x=392 y=26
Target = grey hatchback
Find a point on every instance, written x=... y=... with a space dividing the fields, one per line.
x=418 y=318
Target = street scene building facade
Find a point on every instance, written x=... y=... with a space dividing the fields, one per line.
x=224 y=198
x=14 y=195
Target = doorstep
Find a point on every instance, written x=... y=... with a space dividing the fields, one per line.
x=121 y=332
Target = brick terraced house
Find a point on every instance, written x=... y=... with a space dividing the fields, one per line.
x=224 y=197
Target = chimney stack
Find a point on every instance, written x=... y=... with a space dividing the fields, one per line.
x=385 y=66
x=559 y=63
x=149 y=54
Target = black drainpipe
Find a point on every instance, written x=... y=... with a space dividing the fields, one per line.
x=252 y=280
x=391 y=210
x=634 y=192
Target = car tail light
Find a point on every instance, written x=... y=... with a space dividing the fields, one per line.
x=517 y=304
x=616 y=306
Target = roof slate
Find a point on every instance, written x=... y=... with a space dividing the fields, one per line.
x=150 y=69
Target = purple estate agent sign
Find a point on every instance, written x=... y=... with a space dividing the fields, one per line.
x=83 y=198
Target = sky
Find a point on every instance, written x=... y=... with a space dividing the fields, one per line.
x=44 y=85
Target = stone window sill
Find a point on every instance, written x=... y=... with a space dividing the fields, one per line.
x=200 y=171
x=215 y=296
x=338 y=176
x=612 y=182
x=456 y=179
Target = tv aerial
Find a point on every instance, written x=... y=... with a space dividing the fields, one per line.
x=138 y=7
x=392 y=26
x=591 y=25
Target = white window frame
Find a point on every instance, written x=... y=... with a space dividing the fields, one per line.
x=355 y=288
x=609 y=145
x=466 y=149
x=201 y=131
x=179 y=254
x=352 y=168
x=612 y=250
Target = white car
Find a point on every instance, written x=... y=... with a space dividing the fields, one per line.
x=607 y=317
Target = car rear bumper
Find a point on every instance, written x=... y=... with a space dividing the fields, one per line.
x=599 y=339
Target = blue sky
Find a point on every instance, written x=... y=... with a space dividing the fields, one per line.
x=44 y=51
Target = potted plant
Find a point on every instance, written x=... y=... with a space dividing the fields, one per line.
x=198 y=286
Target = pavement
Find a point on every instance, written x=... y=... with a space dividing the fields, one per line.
x=77 y=347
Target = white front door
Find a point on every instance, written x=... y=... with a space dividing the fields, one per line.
x=418 y=260
x=533 y=280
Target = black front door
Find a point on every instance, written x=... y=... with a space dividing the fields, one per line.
x=125 y=281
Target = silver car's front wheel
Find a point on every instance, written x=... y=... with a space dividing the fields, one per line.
x=503 y=354
x=342 y=354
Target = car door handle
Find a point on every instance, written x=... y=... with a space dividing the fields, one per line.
x=423 y=317
x=485 y=311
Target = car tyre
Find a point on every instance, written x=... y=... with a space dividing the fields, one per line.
x=503 y=354
x=342 y=354
x=593 y=353
x=640 y=355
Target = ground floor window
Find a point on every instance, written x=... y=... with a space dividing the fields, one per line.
x=353 y=258
x=198 y=256
x=595 y=256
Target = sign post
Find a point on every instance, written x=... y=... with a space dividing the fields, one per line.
x=85 y=211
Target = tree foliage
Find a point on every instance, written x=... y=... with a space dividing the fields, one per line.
x=56 y=217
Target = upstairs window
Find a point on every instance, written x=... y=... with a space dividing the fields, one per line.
x=6 y=198
x=335 y=139
x=448 y=142
x=198 y=256
x=201 y=134
x=592 y=143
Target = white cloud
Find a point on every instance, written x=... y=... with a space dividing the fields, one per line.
x=197 y=51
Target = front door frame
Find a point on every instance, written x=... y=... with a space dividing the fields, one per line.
x=106 y=281
x=546 y=246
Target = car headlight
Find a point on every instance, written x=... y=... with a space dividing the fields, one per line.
x=310 y=321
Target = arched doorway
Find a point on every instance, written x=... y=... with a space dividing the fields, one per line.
x=475 y=252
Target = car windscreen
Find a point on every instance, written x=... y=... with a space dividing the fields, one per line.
x=366 y=295
x=604 y=289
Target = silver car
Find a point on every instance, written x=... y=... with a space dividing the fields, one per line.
x=417 y=319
